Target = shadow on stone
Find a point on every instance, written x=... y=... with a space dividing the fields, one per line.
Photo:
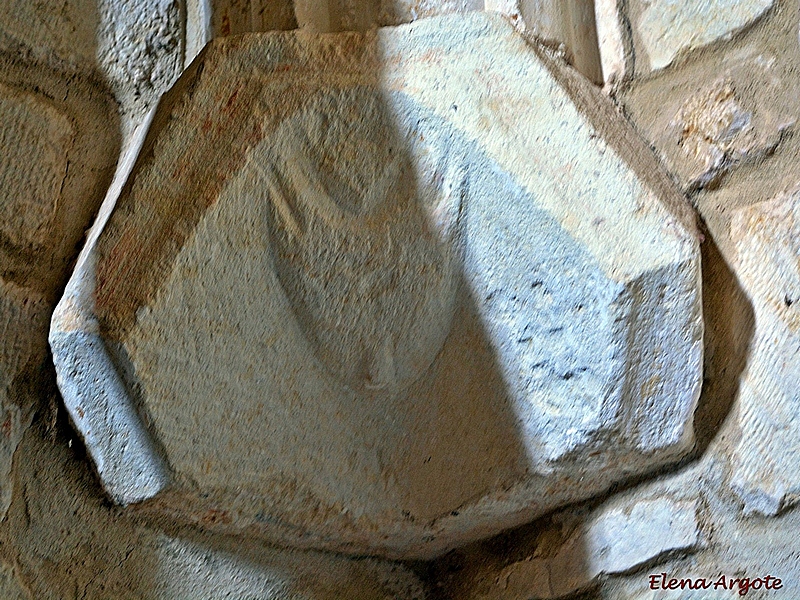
x=729 y=330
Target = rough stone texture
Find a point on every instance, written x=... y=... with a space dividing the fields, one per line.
x=23 y=346
x=59 y=141
x=188 y=569
x=614 y=539
x=725 y=544
x=66 y=541
x=666 y=28
x=360 y=15
x=231 y=16
x=767 y=237
x=136 y=45
x=10 y=587
x=616 y=55
x=414 y=351
x=717 y=133
x=49 y=183
x=760 y=64
x=207 y=19
x=732 y=547
x=566 y=24
x=718 y=116
x=140 y=47
x=39 y=136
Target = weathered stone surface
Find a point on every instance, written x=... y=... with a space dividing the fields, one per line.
x=569 y=24
x=364 y=301
x=665 y=28
x=10 y=587
x=767 y=238
x=65 y=541
x=59 y=140
x=38 y=136
x=615 y=539
x=706 y=128
x=23 y=347
x=613 y=41
x=49 y=180
x=360 y=15
x=137 y=45
x=717 y=133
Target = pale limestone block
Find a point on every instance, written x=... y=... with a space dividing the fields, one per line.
x=364 y=302
x=666 y=28
x=767 y=238
x=614 y=539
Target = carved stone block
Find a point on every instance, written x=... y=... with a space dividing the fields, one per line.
x=382 y=293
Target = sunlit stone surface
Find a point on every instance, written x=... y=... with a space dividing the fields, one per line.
x=665 y=28
x=765 y=462
x=386 y=293
x=136 y=46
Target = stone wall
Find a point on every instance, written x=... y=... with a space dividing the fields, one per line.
x=388 y=299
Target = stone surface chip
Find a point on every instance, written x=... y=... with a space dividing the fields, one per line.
x=385 y=293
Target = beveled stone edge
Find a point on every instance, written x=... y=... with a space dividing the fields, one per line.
x=124 y=454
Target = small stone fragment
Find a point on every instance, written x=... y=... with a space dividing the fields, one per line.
x=767 y=237
x=717 y=133
x=613 y=540
x=365 y=302
x=665 y=28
